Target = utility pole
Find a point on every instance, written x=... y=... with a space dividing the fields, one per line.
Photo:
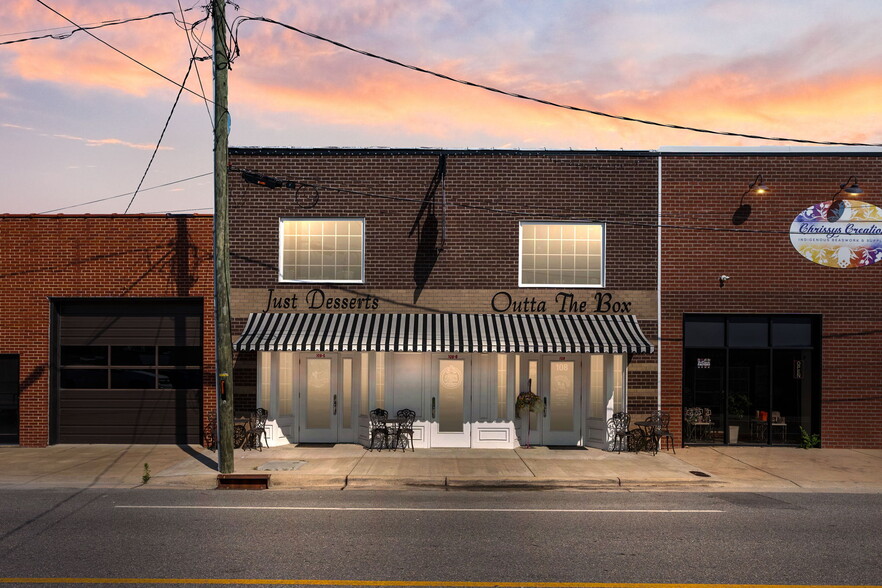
x=223 y=343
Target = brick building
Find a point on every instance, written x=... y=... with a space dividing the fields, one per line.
x=770 y=314
x=107 y=328
x=445 y=282
x=450 y=283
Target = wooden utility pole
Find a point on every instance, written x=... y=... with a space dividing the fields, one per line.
x=223 y=342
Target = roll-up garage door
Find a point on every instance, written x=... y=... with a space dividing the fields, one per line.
x=128 y=370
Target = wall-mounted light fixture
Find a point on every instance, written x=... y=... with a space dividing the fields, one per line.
x=837 y=206
x=758 y=186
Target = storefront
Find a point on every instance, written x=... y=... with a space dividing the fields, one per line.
x=769 y=286
x=444 y=283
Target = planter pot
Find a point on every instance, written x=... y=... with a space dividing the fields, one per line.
x=733 y=434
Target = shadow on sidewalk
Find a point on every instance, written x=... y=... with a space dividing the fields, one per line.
x=200 y=457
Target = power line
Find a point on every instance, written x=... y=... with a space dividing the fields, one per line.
x=126 y=194
x=271 y=182
x=85 y=28
x=242 y=19
x=162 y=134
x=147 y=67
x=187 y=31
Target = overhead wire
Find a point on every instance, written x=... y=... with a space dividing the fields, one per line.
x=84 y=28
x=126 y=194
x=242 y=19
x=187 y=31
x=162 y=134
x=294 y=184
x=127 y=56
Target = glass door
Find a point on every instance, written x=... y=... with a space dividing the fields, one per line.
x=451 y=402
x=319 y=402
x=560 y=390
x=791 y=406
x=748 y=398
x=704 y=394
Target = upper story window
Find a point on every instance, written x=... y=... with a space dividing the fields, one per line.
x=321 y=250
x=561 y=254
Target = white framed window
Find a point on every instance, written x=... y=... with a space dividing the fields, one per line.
x=561 y=254
x=321 y=250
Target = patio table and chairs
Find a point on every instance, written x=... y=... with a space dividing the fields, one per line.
x=391 y=432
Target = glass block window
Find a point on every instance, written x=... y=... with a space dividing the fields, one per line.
x=321 y=250
x=561 y=254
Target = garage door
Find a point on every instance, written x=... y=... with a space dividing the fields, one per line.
x=129 y=370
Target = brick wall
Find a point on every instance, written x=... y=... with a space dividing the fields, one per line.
x=132 y=256
x=488 y=193
x=700 y=194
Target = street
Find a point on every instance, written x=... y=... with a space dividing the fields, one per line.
x=440 y=537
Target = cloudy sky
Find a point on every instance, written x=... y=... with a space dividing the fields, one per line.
x=79 y=122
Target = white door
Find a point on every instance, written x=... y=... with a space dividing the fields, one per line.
x=560 y=389
x=450 y=411
x=319 y=402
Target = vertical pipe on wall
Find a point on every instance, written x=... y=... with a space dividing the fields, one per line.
x=658 y=286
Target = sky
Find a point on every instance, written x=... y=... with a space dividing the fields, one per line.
x=79 y=122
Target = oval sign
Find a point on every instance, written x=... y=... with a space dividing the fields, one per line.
x=848 y=236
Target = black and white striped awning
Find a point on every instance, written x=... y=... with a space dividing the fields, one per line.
x=444 y=333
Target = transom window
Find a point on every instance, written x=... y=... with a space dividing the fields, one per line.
x=321 y=250
x=561 y=254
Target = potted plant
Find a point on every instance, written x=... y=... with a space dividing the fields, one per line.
x=532 y=403
x=738 y=406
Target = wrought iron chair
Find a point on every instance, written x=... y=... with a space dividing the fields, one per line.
x=209 y=433
x=618 y=432
x=404 y=429
x=661 y=420
x=379 y=429
x=256 y=430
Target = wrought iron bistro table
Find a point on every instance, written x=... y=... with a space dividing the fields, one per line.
x=644 y=437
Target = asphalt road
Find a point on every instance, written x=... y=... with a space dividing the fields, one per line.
x=524 y=537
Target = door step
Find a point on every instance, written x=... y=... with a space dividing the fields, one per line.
x=243 y=481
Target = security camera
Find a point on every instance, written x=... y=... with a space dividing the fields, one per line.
x=723 y=278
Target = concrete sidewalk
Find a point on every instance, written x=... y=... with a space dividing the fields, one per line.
x=347 y=466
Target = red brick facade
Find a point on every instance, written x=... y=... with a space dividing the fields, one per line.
x=92 y=256
x=700 y=194
x=487 y=194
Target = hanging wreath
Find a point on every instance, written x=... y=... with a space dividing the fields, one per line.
x=532 y=402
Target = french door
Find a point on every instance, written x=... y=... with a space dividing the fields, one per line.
x=560 y=389
x=451 y=406
x=319 y=399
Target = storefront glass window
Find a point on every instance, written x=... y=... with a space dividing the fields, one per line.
x=321 y=250
x=561 y=254
x=501 y=384
x=748 y=332
x=286 y=383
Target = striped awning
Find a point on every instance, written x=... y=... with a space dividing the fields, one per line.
x=444 y=333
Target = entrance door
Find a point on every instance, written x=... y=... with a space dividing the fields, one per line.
x=560 y=388
x=319 y=404
x=9 y=398
x=451 y=409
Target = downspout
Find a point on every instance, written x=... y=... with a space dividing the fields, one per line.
x=658 y=283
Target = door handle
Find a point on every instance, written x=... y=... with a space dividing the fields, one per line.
x=433 y=407
x=335 y=404
x=545 y=406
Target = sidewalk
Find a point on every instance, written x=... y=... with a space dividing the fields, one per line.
x=347 y=466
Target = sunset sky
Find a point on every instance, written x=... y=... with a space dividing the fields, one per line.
x=79 y=121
